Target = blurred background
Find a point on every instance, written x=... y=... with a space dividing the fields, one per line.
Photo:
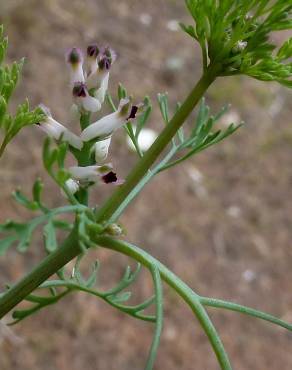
x=222 y=221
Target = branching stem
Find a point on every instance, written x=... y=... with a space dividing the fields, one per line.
x=71 y=248
x=183 y=290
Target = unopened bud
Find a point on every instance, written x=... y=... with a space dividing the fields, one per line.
x=114 y=230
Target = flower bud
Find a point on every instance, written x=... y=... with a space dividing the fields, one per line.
x=75 y=60
x=72 y=186
x=84 y=100
x=99 y=77
x=93 y=52
x=114 y=230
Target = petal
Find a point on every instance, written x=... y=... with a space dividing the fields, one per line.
x=57 y=131
x=91 y=104
x=101 y=149
x=101 y=92
x=103 y=127
x=95 y=78
x=77 y=74
x=72 y=139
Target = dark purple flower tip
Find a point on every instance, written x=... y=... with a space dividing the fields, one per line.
x=110 y=178
x=93 y=51
x=133 y=112
x=110 y=54
x=105 y=63
x=75 y=56
x=80 y=90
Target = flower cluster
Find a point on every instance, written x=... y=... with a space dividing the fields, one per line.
x=89 y=82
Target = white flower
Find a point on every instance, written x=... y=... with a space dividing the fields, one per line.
x=145 y=140
x=93 y=52
x=100 y=72
x=57 y=131
x=106 y=125
x=89 y=173
x=84 y=100
x=75 y=60
x=101 y=149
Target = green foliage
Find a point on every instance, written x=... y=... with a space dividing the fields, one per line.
x=54 y=163
x=236 y=36
x=22 y=233
x=201 y=137
x=76 y=281
x=9 y=76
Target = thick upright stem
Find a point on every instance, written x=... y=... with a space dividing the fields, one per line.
x=70 y=247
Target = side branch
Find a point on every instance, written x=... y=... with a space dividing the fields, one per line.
x=183 y=290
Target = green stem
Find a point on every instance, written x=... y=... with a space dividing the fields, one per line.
x=218 y=303
x=159 y=317
x=183 y=290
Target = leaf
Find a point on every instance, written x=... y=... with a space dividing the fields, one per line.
x=163 y=105
x=190 y=30
x=91 y=281
x=122 y=92
x=144 y=117
x=120 y=298
x=285 y=51
x=203 y=115
x=37 y=191
x=50 y=237
x=24 y=201
x=237 y=36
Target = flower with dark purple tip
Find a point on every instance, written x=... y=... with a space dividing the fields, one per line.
x=89 y=173
x=75 y=59
x=106 y=125
x=99 y=77
x=83 y=98
x=57 y=131
x=93 y=52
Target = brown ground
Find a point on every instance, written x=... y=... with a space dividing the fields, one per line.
x=227 y=234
